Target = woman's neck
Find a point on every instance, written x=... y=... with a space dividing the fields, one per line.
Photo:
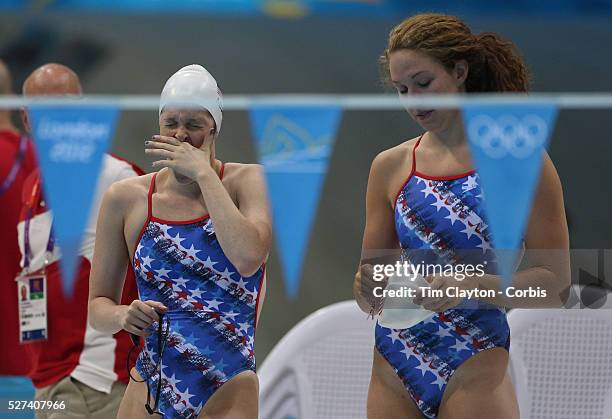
x=450 y=139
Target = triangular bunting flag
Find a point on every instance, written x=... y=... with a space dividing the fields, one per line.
x=507 y=144
x=294 y=145
x=70 y=142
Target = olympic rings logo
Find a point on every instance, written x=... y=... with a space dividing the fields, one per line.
x=508 y=134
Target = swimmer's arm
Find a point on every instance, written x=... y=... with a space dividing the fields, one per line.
x=244 y=232
x=547 y=243
x=379 y=233
x=109 y=263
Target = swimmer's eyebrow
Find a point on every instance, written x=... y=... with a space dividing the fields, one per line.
x=413 y=76
x=196 y=120
x=417 y=73
x=188 y=120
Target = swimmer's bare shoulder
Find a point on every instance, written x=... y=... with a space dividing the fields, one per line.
x=235 y=171
x=239 y=178
x=127 y=192
x=391 y=167
x=126 y=202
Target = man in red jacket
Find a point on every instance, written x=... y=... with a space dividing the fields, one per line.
x=17 y=161
x=76 y=364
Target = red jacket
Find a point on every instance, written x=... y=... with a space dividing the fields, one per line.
x=12 y=361
x=73 y=347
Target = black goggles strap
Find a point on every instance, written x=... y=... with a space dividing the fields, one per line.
x=161 y=344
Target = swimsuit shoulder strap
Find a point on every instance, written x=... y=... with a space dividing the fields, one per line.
x=414 y=153
x=150 y=197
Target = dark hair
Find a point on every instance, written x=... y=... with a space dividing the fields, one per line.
x=494 y=63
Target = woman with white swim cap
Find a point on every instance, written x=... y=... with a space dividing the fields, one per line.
x=197 y=234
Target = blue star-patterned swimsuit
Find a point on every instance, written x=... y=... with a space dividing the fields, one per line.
x=440 y=220
x=212 y=311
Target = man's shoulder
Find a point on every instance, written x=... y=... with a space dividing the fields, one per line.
x=9 y=137
x=114 y=164
x=9 y=144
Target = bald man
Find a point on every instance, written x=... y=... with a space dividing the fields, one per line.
x=77 y=364
x=17 y=161
x=52 y=80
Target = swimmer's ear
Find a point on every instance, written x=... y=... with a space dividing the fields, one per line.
x=25 y=120
x=460 y=72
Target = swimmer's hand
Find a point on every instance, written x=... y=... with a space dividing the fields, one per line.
x=440 y=304
x=364 y=287
x=181 y=156
x=139 y=315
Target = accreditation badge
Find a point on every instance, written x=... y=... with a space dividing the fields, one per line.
x=32 y=302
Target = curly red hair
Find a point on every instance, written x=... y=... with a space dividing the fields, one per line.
x=494 y=63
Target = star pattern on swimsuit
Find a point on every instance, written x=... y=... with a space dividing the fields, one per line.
x=435 y=221
x=470 y=183
x=211 y=311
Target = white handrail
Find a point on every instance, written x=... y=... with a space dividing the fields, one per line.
x=345 y=101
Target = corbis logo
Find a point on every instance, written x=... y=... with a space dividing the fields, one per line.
x=508 y=135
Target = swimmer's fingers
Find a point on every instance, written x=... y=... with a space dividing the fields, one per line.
x=159 y=153
x=133 y=320
x=436 y=282
x=159 y=145
x=143 y=311
x=424 y=297
x=141 y=314
x=367 y=284
x=366 y=272
x=157 y=306
x=373 y=280
x=147 y=309
x=161 y=140
x=136 y=330
x=167 y=149
x=138 y=323
x=425 y=300
x=436 y=304
x=164 y=163
x=135 y=313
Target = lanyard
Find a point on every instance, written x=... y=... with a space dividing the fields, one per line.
x=32 y=202
x=10 y=178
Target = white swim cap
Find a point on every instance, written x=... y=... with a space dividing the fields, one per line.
x=193 y=86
